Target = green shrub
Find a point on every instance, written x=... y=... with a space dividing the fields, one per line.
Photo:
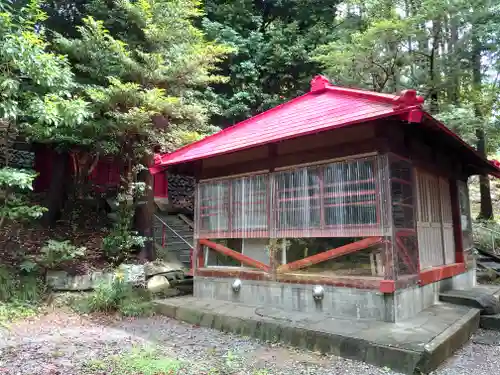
x=142 y=361
x=135 y=307
x=19 y=287
x=20 y=295
x=108 y=296
x=55 y=253
x=115 y=296
x=119 y=243
x=15 y=310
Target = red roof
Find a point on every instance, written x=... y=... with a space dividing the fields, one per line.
x=323 y=108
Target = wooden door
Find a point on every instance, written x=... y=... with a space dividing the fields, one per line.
x=429 y=224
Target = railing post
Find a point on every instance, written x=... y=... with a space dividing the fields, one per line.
x=163 y=234
x=492 y=242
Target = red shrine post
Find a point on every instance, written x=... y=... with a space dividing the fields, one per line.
x=343 y=201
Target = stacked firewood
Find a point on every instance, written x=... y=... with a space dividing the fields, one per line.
x=181 y=192
x=18 y=158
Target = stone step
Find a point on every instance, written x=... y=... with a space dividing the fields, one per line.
x=422 y=345
x=485 y=299
x=491 y=322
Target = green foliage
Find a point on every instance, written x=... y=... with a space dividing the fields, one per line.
x=19 y=294
x=116 y=296
x=144 y=361
x=370 y=58
x=119 y=243
x=13 y=202
x=272 y=43
x=140 y=64
x=36 y=84
x=486 y=235
x=19 y=287
x=55 y=253
x=16 y=310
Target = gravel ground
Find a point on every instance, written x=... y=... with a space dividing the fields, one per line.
x=60 y=342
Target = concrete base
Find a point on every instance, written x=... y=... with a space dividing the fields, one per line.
x=416 y=345
x=339 y=302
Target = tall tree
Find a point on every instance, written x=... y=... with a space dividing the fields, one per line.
x=272 y=41
x=442 y=48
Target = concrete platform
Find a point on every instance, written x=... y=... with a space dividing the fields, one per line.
x=416 y=345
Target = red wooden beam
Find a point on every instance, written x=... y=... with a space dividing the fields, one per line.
x=439 y=273
x=407 y=257
x=235 y=255
x=330 y=254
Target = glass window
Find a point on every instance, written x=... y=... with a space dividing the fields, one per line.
x=215 y=259
x=349 y=193
x=249 y=201
x=298 y=199
x=214 y=206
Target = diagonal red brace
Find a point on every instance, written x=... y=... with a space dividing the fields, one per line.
x=235 y=255
x=330 y=254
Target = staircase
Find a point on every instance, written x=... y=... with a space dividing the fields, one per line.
x=173 y=234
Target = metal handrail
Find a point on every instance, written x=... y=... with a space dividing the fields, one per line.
x=186 y=220
x=173 y=231
x=486 y=228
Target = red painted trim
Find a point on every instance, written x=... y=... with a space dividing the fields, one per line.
x=235 y=255
x=387 y=286
x=439 y=273
x=200 y=256
x=330 y=254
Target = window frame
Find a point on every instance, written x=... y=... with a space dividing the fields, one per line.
x=272 y=198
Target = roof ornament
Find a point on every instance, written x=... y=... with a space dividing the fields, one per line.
x=408 y=98
x=319 y=83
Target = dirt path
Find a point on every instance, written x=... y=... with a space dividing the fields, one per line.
x=61 y=342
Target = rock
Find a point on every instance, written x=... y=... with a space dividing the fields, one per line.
x=160 y=267
x=133 y=273
x=62 y=281
x=157 y=284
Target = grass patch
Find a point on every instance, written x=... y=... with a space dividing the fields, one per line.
x=142 y=361
x=116 y=296
x=20 y=295
x=16 y=310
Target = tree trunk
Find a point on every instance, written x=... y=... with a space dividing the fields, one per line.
x=486 y=209
x=57 y=194
x=454 y=61
x=433 y=68
x=143 y=218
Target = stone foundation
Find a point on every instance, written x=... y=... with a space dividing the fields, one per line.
x=339 y=302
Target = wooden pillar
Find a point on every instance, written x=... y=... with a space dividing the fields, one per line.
x=457 y=221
